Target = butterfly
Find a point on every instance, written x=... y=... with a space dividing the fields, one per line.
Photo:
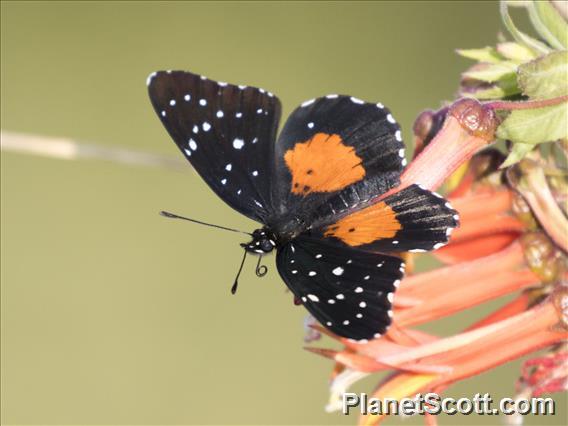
x=318 y=191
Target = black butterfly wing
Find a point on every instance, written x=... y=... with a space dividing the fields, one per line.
x=413 y=219
x=227 y=133
x=335 y=152
x=349 y=291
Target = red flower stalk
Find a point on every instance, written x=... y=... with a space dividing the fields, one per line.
x=479 y=280
x=468 y=127
x=487 y=225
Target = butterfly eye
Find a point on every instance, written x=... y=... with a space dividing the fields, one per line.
x=265 y=245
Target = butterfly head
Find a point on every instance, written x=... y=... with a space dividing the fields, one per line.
x=263 y=241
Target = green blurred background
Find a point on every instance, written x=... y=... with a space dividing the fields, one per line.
x=113 y=315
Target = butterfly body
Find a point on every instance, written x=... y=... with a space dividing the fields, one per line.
x=324 y=191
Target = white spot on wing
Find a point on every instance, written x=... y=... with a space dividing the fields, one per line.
x=187 y=97
x=312 y=273
x=149 y=79
x=359 y=290
x=362 y=305
x=313 y=298
x=238 y=143
x=220 y=114
x=340 y=296
x=255 y=173
x=356 y=100
x=172 y=102
x=206 y=126
x=306 y=103
x=310 y=125
x=398 y=136
x=192 y=144
x=391 y=119
x=332 y=96
x=338 y=271
x=202 y=102
x=229 y=167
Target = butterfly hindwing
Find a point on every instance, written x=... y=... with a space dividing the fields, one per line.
x=413 y=219
x=349 y=291
x=226 y=132
x=336 y=146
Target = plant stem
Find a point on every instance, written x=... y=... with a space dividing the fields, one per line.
x=511 y=105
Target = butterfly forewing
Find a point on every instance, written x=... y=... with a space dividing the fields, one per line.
x=227 y=133
x=334 y=153
x=348 y=291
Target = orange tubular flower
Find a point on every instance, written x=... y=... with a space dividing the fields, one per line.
x=499 y=249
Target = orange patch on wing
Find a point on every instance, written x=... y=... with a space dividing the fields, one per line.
x=323 y=164
x=365 y=226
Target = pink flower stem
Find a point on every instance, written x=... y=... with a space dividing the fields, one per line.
x=469 y=127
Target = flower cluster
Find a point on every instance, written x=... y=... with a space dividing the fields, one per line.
x=513 y=235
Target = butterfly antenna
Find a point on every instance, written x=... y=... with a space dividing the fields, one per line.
x=261 y=270
x=236 y=283
x=175 y=216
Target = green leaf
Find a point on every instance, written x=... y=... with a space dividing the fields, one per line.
x=534 y=45
x=518 y=152
x=498 y=90
x=515 y=52
x=549 y=24
x=545 y=77
x=485 y=54
x=491 y=72
x=533 y=126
